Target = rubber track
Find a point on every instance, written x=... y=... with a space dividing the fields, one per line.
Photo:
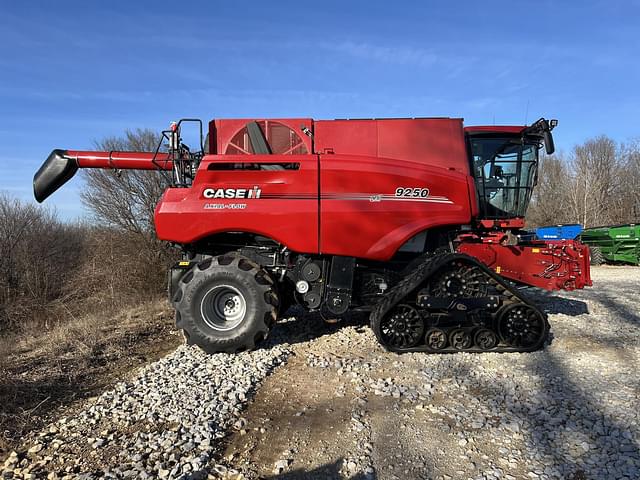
x=413 y=281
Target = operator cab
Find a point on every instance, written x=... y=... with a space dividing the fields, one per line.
x=504 y=162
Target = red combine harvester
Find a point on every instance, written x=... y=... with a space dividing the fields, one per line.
x=416 y=221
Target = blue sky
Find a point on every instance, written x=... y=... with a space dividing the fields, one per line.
x=74 y=72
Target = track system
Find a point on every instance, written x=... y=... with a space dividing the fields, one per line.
x=453 y=303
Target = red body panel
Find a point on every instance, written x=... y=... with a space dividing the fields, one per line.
x=438 y=142
x=559 y=265
x=350 y=189
x=361 y=216
x=286 y=211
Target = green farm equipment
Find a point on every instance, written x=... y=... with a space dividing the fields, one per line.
x=619 y=243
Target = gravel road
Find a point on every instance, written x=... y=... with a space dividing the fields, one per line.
x=323 y=401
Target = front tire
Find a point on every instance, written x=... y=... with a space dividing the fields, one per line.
x=597 y=257
x=226 y=303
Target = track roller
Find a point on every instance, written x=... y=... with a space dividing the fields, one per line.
x=460 y=339
x=485 y=339
x=436 y=338
x=521 y=325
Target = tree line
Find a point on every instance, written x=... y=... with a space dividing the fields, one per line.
x=51 y=270
x=596 y=184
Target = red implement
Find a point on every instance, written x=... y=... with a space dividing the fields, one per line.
x=551 y=265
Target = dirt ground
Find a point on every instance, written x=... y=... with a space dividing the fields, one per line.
x=342 y=408
x=40 y=381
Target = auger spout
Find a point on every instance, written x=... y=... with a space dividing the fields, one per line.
x=62 y=165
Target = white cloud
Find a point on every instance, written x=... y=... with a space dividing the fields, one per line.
x=402 y=55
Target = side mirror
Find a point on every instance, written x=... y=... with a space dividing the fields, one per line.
x=548 y=142
x=544 y=126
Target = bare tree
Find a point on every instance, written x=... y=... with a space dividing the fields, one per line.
x=595 y=183
x=630 y=182
x=549 y=203
x=124 y=204
x=126 y=199
x=598 y=184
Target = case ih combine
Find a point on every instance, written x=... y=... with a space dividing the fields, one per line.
x=413 y=220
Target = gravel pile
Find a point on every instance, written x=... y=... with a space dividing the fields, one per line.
x=547 y=415
x=569 y=411
x=162 y=424
x=550 y=414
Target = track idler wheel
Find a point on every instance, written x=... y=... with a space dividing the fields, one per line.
x=436 y=338
x=459 y=280
x=460 y=339
x=485 y=339
x=403 y=327
x=521 y=325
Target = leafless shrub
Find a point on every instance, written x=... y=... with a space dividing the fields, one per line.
x=38 y=254
x=117 y=270
x=51 y=271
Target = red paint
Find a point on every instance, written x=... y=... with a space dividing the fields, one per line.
x=121 y=160
x=558 y=265
x=182 y=217
x=369 y=158
x=438 y=142
x=376 y=228
x=343 y=199
x=510 y=129
x=517 y=222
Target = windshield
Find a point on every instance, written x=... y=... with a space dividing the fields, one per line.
x=505 y=171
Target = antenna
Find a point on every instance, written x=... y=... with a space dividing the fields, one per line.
x=526 y=113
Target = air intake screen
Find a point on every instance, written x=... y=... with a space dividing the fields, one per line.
x=281 y=139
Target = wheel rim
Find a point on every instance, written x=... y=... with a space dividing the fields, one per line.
x=223 y=308
x=403 y=327
x=436 y=338
x=521 y=325
x=485 y=339
x=459 y=339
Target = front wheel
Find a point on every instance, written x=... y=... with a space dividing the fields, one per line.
x=226 y=304
x=597 y=257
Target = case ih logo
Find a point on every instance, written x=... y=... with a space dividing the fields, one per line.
x=232 y=192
